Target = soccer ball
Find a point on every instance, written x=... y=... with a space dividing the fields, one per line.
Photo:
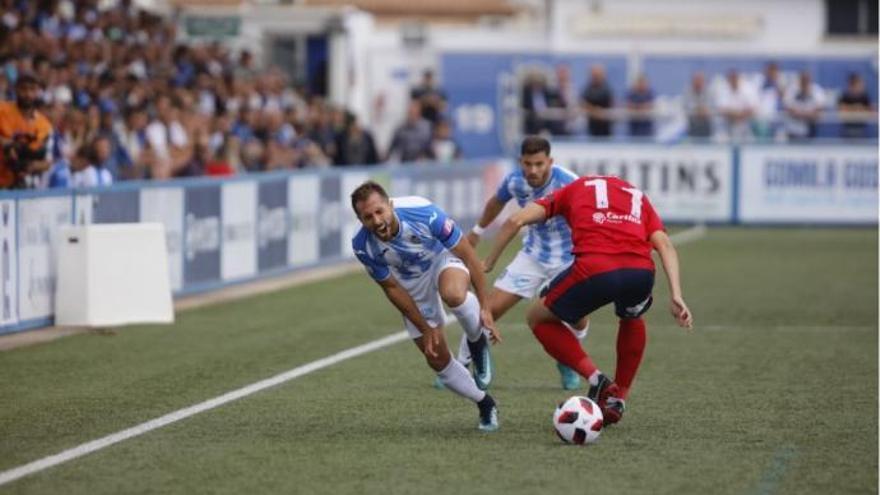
x=578 y=420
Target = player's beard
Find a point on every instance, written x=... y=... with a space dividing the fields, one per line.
x=386 y=230
x=536 y=181
x=383 y=231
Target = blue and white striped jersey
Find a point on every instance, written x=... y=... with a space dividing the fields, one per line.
x=425 y=231
x=549 y=243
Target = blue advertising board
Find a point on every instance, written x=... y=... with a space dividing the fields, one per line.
x=272 y=225
x=201 y=246
x=116 y=206
x=330 y=221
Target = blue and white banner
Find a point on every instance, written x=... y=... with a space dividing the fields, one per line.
x=239 y=214
x=784 y=184
x=220 y=232
x=202 y=235
x=39 y=220
x=272 y=217
x=684 y=183
x=165 y=205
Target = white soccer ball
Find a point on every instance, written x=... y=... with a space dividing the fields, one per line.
x=578 y=420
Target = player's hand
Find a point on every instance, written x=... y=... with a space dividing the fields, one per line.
x=431 y=340
x=473 y=238
x=489 y=324
x=681 y=313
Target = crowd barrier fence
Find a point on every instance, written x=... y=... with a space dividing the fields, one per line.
x=233 y=230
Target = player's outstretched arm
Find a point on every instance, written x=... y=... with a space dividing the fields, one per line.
x=466 y=253
x=490 y=213
x=404 y=302
x=531 y=213
x=669 y=258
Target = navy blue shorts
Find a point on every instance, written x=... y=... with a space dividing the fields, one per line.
x=571 y=296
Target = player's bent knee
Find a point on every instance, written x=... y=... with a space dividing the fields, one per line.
x=531 y=320
x=538 y=313
x=453 y=297
x=534 y=317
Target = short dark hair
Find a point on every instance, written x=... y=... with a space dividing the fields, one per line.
x=364 y=191
x=27 y=79
x=534 y=144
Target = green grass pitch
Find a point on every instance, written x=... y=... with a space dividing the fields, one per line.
x=774 y=392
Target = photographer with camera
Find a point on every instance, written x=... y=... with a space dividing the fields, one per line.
x=24 y=134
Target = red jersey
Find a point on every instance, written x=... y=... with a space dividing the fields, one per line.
x=611 y=222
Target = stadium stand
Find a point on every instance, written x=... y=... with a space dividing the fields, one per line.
x=117 y=75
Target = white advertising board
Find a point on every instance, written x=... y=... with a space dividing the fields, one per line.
x=304 y=201
x=8 y=265
x=685 y=183
x=828 y=184
x=165 y=205
x=239 y=253
x=39 y=221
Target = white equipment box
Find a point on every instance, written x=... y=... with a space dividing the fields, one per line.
x=112 y=274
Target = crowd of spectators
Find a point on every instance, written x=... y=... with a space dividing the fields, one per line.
x=126 y=100
x=733 y=108
x=426 y=133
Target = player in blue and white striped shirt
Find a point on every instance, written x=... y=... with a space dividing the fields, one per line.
x=416 y=254
x=546 y=248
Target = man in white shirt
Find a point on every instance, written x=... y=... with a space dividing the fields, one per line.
x=737 y=104
x=803 y=107
x=168 y=139
x=771 y=92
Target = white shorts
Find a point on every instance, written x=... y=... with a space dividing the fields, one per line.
x=524 y=276
x=425 y=291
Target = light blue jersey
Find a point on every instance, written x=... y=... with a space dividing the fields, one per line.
x=549 y=243
x=425 y=232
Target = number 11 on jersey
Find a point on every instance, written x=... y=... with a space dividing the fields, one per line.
x=601 y=186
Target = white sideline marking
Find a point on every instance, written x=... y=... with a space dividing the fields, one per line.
x=690 y=235
x=13 y=474
x=173 y=417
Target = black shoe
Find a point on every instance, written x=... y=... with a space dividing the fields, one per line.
x=599 y=393
x=488 y=414
x=482 y=361
x=613 y=410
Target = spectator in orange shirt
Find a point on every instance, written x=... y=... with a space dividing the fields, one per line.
x=24 y=135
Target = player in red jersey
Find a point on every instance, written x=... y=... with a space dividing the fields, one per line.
x=613 y=229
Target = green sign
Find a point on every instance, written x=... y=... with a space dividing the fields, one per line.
x=213 y=26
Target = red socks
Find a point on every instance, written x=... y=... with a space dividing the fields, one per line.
x=560 y=343
x=631 y=341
